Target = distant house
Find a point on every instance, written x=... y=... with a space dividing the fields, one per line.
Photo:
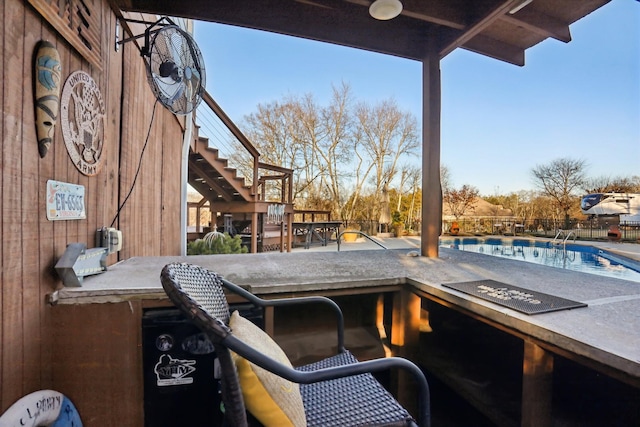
x=483 y=217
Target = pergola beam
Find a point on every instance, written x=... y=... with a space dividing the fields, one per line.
x=480 y=24
x=544 y=25
x=496 y=49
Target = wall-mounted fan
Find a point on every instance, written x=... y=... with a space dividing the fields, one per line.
x=175 y=68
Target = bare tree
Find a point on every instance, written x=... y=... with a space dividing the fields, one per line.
x=308 y=133
x=559 y=180
x=287 y=134
x=358 y=177
x=273 y=131
x=445 y=177
x=414 y=179
x=605 y=184
x=384 y=134
x=333 y=147
x=410 y=176
x=336 y=151
x=461 y=201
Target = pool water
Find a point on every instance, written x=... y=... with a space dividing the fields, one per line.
x=586 y=259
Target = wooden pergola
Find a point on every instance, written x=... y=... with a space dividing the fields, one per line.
x=425 y=31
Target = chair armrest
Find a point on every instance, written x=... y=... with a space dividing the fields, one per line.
x=325 y=374
x=281 y=302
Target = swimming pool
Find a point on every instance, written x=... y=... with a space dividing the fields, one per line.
x=587 y=259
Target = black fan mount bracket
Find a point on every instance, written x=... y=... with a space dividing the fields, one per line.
x=174 y=65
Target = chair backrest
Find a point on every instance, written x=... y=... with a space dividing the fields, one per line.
x=200 y=285
x=199 y=294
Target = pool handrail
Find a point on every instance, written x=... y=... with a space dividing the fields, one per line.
x=566 y=235
x=363 y=234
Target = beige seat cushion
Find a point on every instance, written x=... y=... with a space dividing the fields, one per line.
x=274 y=401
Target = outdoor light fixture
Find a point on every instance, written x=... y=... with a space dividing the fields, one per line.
x=77 y=262
x=384 y=10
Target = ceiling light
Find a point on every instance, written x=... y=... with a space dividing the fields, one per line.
x=385 y=9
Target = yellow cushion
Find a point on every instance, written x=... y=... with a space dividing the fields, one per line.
x=273 y=400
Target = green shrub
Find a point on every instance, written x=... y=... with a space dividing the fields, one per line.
x=396 y=218
x=217 y=244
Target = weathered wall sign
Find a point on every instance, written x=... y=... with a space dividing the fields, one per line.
x=82 y=121
x=65 y=201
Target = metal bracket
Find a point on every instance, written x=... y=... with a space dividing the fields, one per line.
x=147 y=32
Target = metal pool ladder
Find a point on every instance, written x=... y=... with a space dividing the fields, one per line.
x=566 y=235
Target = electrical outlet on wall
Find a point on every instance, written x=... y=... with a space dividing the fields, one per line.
x=110 y=238
x=115 y=240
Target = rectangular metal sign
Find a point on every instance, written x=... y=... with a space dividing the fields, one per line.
x=65 y=201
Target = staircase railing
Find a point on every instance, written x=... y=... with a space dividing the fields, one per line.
x=241 y=154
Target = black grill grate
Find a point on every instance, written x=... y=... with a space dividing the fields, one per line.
x=520 y=299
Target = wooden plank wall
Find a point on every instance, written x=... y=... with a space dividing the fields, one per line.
x=104 y=377
x=31 y=244
x=142 y=218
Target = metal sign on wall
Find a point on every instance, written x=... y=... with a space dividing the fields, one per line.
x=82 y=121
x=65 y=201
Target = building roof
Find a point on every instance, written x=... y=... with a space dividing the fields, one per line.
x=481 y=208
x=501 y=29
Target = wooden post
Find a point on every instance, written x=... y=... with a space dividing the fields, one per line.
x=431 y=189
x=269 y=325
x=405 y=328
x=405 y=336
x=282 y=235
x=254 y=232
x=386 y=345
x=537 y=386
x=289 y=232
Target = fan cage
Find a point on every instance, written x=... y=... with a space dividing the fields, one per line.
x=175 y=69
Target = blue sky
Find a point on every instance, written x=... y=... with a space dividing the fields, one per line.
x=579 y=100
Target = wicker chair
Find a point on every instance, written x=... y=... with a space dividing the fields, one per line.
x=339 y=381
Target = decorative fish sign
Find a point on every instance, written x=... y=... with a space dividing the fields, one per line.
x=48 y=72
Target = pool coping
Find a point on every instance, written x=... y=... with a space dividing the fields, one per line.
x=628 y=259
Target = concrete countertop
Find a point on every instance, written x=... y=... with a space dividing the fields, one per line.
x=607 y=331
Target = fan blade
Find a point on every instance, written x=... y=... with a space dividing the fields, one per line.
x=181 y=51
x=177 y=95
x=193 y=75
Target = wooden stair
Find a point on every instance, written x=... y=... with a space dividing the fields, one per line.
x=211 y=176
